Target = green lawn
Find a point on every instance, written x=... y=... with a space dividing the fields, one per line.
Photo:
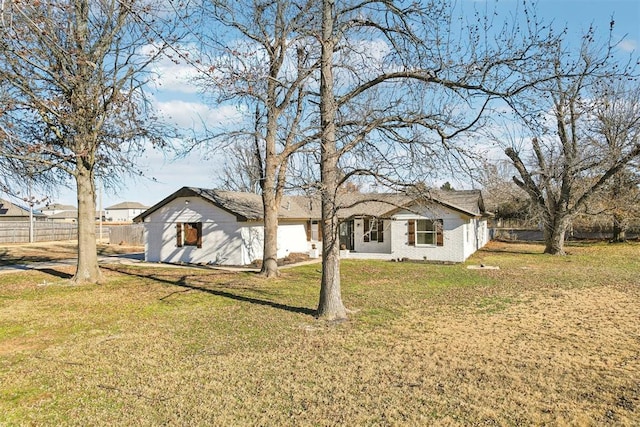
x=544 y=340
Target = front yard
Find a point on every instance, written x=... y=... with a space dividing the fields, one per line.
x=543 y=340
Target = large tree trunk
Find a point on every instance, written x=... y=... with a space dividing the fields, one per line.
x=87 y=269
x=330 y=306
x=619 y=234
x=554 y=231
x=270 y=248
x=271 y=192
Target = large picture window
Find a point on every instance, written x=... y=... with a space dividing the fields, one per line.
x=189 y=234
x=425 y=232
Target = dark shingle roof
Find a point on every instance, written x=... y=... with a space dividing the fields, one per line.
x=468 y=202
x=248 y=206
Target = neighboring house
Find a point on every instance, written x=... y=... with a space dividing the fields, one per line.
x=56 y=208
x=124 y=212
x=65 y=216
x=195 y=225
x=13 y=212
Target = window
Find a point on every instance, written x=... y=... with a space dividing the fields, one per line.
x=314 y=230
x=189 y=234
x=373 y=230
x=425 y=232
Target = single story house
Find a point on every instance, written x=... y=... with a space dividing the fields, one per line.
x=56 y=208
x=195 y=225
x=58 y=212
x=123 y=212
x=70 y=216
x=12 y=212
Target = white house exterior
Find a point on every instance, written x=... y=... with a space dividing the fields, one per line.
x=222 y=236
x=124 y=212
x=462 y=235
x=225 y=228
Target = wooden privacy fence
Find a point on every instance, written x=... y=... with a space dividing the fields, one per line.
x=43 y=231
x=132 y=235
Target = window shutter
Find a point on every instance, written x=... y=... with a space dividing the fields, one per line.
x=307 y=229
x=320 y=231
x=179 y=235
x=411 y=232
x=439 y=233
x=380 y=231
x=199 y=230
x=366 y=229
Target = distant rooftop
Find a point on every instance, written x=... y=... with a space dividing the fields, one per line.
x=127 y=205
x=57 y=207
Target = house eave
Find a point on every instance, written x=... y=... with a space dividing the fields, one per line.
x=187 y=192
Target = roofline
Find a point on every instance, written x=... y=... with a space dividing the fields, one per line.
x=198 y=192
x=438 y=201
x=184 y=192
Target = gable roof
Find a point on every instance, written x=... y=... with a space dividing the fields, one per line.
x=248 y=206
x=11 y=210
x=385 y=205
x=244 y=206
x=127 y=205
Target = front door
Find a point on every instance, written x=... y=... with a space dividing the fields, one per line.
x=346 y=234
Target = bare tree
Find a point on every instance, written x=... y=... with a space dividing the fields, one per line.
x=261 y=58
x=617 y=122
x=75 y=73
x=390 y=111
x=503 y=197
x=242 y=169
x=578 y=143
x=330 y=305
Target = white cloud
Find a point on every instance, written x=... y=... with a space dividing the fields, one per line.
x=197 y=116
x=628 y=45
x=174 y=71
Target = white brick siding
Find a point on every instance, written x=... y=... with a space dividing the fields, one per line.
x=462 y=236
x=224 y=240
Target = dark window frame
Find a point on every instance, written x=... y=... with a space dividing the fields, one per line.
x=436 y=230
x=189 y=234
x=373 y=230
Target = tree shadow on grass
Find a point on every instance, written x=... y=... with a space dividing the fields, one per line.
x=56 y=273
x=182 y=282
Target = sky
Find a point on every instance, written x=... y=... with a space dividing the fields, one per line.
x=177 y=98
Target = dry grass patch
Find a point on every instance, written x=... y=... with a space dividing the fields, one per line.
x=543 y=341
x=21 y=253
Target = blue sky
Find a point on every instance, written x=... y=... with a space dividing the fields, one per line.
x=175 y=97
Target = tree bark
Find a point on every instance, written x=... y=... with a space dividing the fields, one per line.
x=330 y=306
x=270 y=248
x=554 y=232
x=87 y=268
x=619 y=234
x=271 y=189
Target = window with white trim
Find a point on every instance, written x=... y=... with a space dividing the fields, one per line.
x=425 y=232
